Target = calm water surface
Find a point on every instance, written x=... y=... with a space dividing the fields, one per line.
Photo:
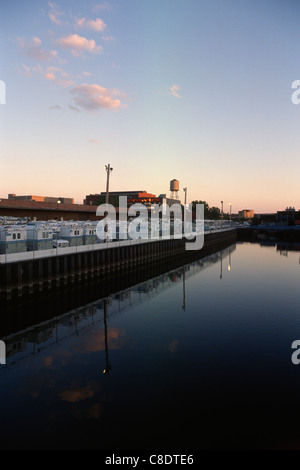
x=197 y=358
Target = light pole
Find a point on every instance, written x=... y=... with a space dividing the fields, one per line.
x=108 y=170
x=230 y=210
x=222 y=210
x=185 y=190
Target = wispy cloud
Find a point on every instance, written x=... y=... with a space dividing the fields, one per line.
x=56 y=107
x=73 y=108
x=34 y=50
x=95 y=141
x=108 y=38
x=50 y=73
x=94 y=25
x=103 y=6
x=174 y=90
x=78 y=44
x=55 y=13
x=58 y=76
x=96 y=97
x=25 y=70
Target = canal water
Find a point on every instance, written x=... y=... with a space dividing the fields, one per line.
x=196 y=358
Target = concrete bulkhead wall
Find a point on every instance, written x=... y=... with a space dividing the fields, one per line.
x=29 y=276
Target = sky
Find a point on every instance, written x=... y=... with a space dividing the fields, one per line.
x=194 y=90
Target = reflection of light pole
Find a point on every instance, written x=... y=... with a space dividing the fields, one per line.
x=230 y=209
x=108 y=366
x=183 y=305
x=185 y=190
x=229 y=261
x=221 y=270
x=108 y=170
x=222 y=210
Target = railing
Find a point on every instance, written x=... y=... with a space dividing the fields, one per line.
x=213 y=225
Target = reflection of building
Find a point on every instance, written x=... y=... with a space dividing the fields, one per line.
x=267 y=218
x=16 y=346
x=79 y=321
x=246 y=214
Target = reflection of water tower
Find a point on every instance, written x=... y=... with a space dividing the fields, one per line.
x=174 y=188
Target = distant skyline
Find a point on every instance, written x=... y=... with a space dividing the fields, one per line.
x=196 y=90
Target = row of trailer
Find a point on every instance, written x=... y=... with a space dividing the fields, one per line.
x=32 y=236
x=17 y=236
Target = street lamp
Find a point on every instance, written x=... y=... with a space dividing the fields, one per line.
x=222 y=210
x=108 y=169
x=230 y=209
x=185 y=190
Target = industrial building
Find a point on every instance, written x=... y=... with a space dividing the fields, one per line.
x=133 y=197
x=59 y=200
x=42 y=211
x=290 y=216
x=246 y=214
x=43 y=208
x=136 y=197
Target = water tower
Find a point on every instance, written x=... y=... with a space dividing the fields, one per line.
x=174 y=188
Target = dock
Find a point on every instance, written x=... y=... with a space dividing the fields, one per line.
x=29 y=273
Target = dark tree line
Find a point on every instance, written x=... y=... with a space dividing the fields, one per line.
x=212 y=213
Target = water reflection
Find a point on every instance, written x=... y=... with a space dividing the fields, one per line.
x=57 y=331
x=207 y=342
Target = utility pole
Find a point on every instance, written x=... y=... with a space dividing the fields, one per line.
x=185 y=190
x=108 y=170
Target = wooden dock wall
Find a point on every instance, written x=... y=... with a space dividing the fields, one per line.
x=27 y=277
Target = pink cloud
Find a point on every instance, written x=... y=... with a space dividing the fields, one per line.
x=174 y=90
x=59 y=76
x=95 y=25
x=78 y=44
x=55 y=13
x=49 y=76
x=96 y=97
x=34 y=50
x=50 y=73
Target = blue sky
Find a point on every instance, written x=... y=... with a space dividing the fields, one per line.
x=197 y=90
